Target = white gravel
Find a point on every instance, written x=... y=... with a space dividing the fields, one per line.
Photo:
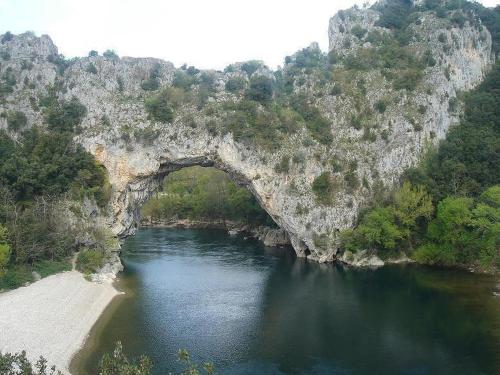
x=52 y=317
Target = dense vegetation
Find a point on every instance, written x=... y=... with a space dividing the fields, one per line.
x=204 y=194
x=38 y=171
x=448 y=210
x=116 y=363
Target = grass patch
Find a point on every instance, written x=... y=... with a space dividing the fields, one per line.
x=18 y=275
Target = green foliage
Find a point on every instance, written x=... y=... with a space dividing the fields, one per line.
x=110 y=54
x=48 y=162
x=466 y=162
x=91 y=68
x=16 y=120
x=263 y=126
x=4 y=250
x=386 y=228
x=260 y=90
x=309 y=58
x=352 y=180
x=394 y=13
x=198 y=193
x=319 y=126
x=64 y=116
x=250 y=67
x=117 y=363
x=323 y=187
x=17 y=364
x=235 y=84
x=5 y=55
x=464 y=232
x=160 y=107
x=380 y=105
x=90 y=260
x=408 y=79
x=358 y=31
x=93 y=53
x=7 y=37
x=152 y=83
x=183 y=80
x=284 y=165
x=17 y=275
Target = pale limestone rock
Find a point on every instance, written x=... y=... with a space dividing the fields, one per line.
x=136 y=167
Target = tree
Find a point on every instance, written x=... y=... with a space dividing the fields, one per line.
x=4 y=249
x=260 y=90
x=410 y=205
x=117 y=363
x=110 y=54
x=378 y=230
x=159 y=108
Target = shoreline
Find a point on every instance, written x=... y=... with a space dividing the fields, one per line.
x=53 y=317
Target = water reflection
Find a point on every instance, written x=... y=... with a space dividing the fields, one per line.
x=252 y=310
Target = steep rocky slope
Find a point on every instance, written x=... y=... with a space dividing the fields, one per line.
x=342 y=128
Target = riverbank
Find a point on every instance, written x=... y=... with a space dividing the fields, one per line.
x=270 y=237
x=52 y=317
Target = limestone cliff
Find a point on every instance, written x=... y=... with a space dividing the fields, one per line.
x=377 y=124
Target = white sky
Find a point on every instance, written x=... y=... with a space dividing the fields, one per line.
x=204 y=33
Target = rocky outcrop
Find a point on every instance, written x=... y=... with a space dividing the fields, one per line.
x=138 y=151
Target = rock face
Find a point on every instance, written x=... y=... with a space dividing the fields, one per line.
x=138 y=152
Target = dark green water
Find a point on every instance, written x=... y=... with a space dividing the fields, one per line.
x=255 y=311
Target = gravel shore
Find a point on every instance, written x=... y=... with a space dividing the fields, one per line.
x=52 y=317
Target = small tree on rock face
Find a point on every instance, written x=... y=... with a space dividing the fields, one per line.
x=323 y=188
x=261 y=89
x=159 y=108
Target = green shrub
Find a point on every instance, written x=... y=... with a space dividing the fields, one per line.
x=380 y=105
x=64 y=116
x=408 y=79
x=284 y=165
x=352 y=180
x=309 y=58
x=260 y=90
x=250 y=67
x=434 y=254
x=16 y=120
x=90 y=260
x=4 y=250
x=159 y=107
x=7 y=37
x=323 y=187
x=110 y=54
x=319 y=126
x=358 y=31
x=5 y=55
x=91 y=68
x=183 y=80
x=336 y=90
x=235 y=84
x=152 y=83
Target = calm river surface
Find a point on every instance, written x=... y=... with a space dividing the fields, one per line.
x=255 y=311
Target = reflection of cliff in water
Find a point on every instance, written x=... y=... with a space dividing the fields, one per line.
x=397 y=316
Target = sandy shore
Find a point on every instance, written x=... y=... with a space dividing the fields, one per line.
x=52 y=317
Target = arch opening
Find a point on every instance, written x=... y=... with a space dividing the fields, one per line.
x=203 y=195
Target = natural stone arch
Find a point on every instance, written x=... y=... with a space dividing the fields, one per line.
x=136 y=150
x=131 y=189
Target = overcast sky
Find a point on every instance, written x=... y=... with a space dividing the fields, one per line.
x=204 y=33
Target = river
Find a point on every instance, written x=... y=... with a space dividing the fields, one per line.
x=252 y=310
